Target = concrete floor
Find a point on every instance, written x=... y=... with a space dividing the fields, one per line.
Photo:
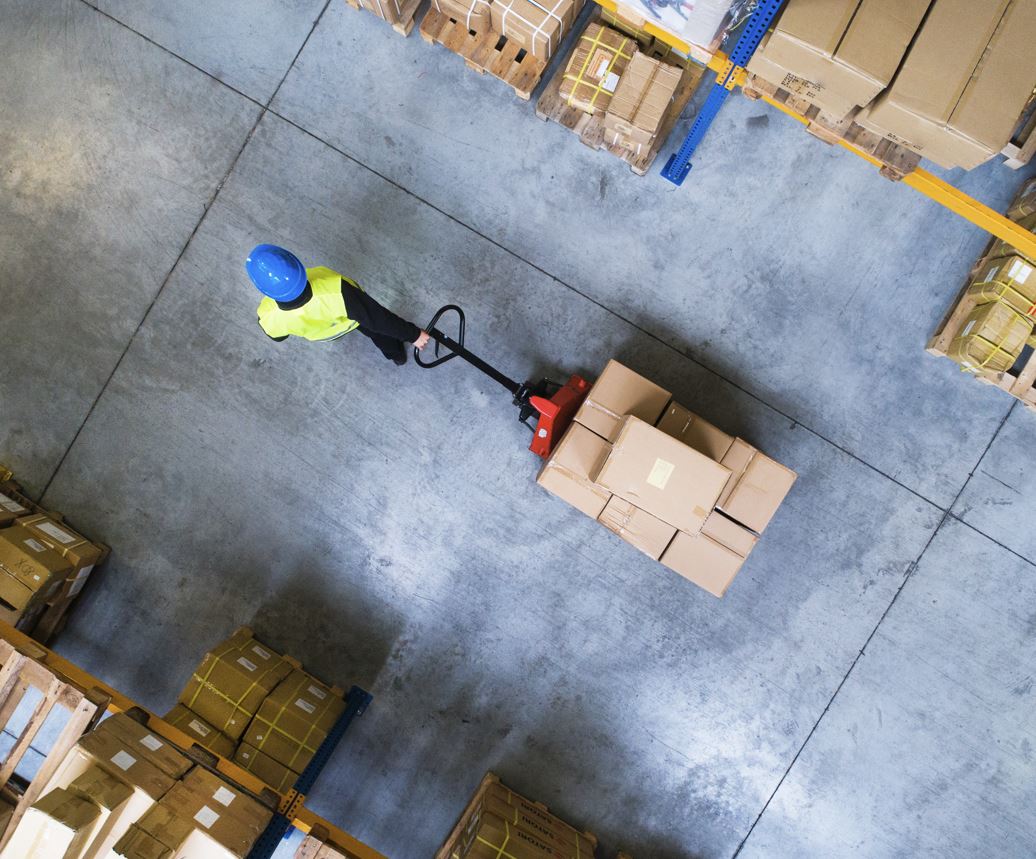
x=866 y=687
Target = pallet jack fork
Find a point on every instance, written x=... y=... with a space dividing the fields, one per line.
x=554 y=405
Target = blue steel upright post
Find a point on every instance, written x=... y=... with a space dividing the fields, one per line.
x=679 y=164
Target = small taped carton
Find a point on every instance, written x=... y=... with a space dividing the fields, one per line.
x=1010 y=279
x=473 y=14
x=74 y=547
x=712 y=558
x=537 y=25
x=756 y=488
x=200 y=731
x=31 y=572
x=265 y=768
x=619 y=392
x=990 y=339
x=595 y=68
x=567 y=472
x=641 y=100
x=637 y=527
x=694 y=431
x=662 y=476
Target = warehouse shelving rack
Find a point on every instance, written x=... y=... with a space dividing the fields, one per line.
x=730 y=73
x=289 y=810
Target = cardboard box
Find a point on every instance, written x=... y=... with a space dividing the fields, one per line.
x=11 y=509
x=200 y=731
x=231 y=683
x=595 y=67
x=265 y=768
x=536 y=25
x=641 y=99
x=1010 y=280
x=566 y=474
x=75 y=548
x=225 y=797
x=294 y=720
x=473 y=14
x=958 y=95
x=830 y=103
x=756 y=488
x=545 y=826
x=700 y=23
x=30 y=571
x=625 y=20
x=109 y=794
x=58 y=826
x=235 y=831
x=393 y=11
x=704 y=561
x=990 y=339
x=492 y=834
x=659 y=474
x=138 y=844
x=637 y=527
x=694 y=431
x=1024 y=204
x=619 y=392
x=848 y=49
x=164 y=824
x=723 y=530
x=140 y=741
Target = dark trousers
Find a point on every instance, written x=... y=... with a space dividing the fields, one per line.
x=390 y=347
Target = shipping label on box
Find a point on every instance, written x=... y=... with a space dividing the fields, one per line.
x=659 y=474
x=619 y=392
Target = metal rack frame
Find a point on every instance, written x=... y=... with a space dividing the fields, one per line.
x=290 y=810
x=730 y=73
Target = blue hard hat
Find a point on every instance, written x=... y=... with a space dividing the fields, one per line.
x=276 y=272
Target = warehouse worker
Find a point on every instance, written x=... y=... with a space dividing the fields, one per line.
x=320 y=304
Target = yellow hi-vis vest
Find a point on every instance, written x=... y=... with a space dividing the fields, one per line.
x=323 y=317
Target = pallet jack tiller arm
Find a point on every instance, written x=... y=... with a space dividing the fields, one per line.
x=553 y=404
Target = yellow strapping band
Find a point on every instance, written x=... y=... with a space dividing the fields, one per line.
x=579 y=80
x=203 y=682
x=303 y=744
x=501 y=851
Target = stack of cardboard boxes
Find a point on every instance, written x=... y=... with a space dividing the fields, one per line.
x=42 y=560
x=609 y=76
x=947 y=79
x=992 y=336
x=665 y=480
x=500 y=823
x=124 y=792
x=253 y=705
x=537 y=25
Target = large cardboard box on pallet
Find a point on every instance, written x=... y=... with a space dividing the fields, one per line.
x=619 y=392
x=756 y=488
x=200 y=731
x=595 y=68
x=714 y=556
x=57 y=826
x=474 y=14
x=233 y=680
x=80 y=552
x=990 y=339
x=31 y=572
x=640 y=102
x=963 y=84
x=637 y=527
x=536 y=25
x=1010 y=279
x=848 y=50
x=568 y=471
x=659 y=474
x=265 y=768
x=516 y=808
x=294 y=720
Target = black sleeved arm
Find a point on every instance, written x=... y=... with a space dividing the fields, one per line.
x=374 y=318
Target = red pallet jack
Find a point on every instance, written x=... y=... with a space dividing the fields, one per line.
x=554 y=405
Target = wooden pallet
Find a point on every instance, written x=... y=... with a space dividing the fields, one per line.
x=24 y=670
x=1018 y=382
x=590 y=127
x=897 y=161
x=1022 y=146
x=407 y=15
x=484 y=52
x=488 y=780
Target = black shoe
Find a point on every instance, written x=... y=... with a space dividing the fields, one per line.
x=400 y=359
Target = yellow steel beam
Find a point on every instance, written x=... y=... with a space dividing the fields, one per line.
x=301 y=817
x=946 y=195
